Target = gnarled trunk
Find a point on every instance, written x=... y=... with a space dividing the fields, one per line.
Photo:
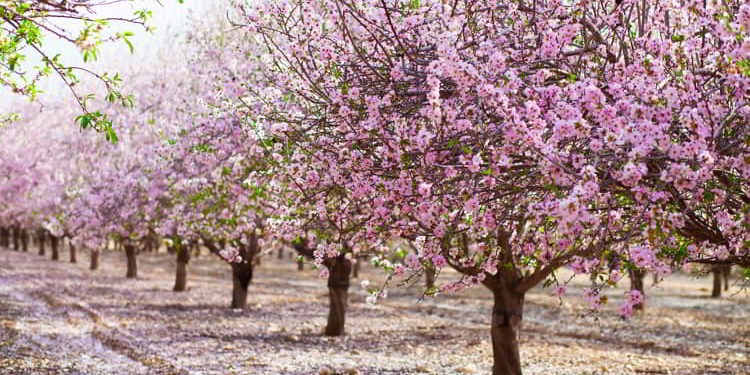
x=54 y=242
x=429 y=278
x=636 y=283
x=16 y=238
x=242 y=275
x=355 y=268
x=507 y=315
x=3 y=237
x=148 y=245
x=183 y=258
x=131 y=255
x=72 y=249
x=94 y=263
x=726 y=272
x=339 y=272
x=40 y=239
x=24 y=240
x=716 y=292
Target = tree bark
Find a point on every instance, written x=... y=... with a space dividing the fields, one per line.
x=726 y=271
x=54 y=245
x=507 y=316
x=40 y=241
x=280 y=254
x=716 y=292
x=242 y=275
x=636 y=283
x=339 y=278
x=183 y=258
x=3 y=236
x=94 y=264
x=429 y=277
x=339 y=273
x=24 y=240
x=131 y=255
x=72 y=249
x=355 y=268
x=16 y=238
x=300 y=264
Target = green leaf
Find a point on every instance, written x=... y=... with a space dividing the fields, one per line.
x=130 y=45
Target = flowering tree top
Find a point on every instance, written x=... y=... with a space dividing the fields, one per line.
x=25 y=60
x=512 y=139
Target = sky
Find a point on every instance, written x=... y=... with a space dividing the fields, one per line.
x=171 y=21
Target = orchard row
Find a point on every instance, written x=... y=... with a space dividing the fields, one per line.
x=503 y=141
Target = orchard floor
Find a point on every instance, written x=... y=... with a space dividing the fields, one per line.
x=60 y=318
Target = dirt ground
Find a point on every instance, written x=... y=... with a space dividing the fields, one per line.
x=61 y=318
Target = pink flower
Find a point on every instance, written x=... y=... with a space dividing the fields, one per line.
x=412 y=261
x=471 y=205
x=635 y=297
x=399 y=270
x=560 y=291
x=439 y=232
x=438 y=261
x=476 y=163
x=312 y=178
x=425 y=189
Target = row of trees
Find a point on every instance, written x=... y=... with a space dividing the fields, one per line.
x=503 y=140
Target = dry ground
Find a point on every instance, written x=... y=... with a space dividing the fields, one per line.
x=60 y=318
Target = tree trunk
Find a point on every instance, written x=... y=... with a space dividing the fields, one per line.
x=3 y=236
x=726 y=271
x=24 y=240
x=242 y=275
x=340 y=270
x=131 y=255
x=180 y=280
x=281 y=253
x=716 y=292
x=17 y=239
x=300 y=264
x=355 y=268
x=72 y=249
x=636 y=283
x=94 y=264
x=507 y=315
x=54 y=245
x=40 y=241
x=429 y=278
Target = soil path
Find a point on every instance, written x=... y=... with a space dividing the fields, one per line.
x=60 y=318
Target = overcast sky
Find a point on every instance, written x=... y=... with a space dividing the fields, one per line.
x=171 y=20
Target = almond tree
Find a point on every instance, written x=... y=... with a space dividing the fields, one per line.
x=511 y=139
